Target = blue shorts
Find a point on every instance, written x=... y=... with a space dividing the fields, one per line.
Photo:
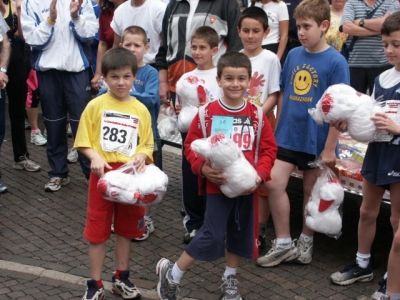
x=229 y=223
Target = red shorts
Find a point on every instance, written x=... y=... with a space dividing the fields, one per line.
x=128 y=219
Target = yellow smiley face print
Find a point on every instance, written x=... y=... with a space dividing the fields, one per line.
x=302 y=82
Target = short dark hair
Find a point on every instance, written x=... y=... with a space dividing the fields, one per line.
x=135 y=30
x=256 y=13
x=235 y=60
x=317 y=10
x=208 y=34
x=391 y=24
x=118 y=58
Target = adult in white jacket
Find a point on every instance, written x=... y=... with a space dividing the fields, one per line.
x=59 y=32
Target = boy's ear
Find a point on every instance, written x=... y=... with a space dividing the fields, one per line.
x=147 y=47
x=214 y=51
x=266 y=32
x=325 y=25
x=218 y=80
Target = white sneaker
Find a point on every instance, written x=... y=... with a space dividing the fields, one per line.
x=306 y=247
x=149 y=229
x=38 y=139
x=72 y=155
x=277 y=255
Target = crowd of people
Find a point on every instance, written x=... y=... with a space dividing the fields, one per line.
x=259 y=69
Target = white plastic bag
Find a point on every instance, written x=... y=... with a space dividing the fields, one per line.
x=323 y=210
x=126 y=185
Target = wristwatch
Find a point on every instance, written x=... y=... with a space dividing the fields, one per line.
x=361 y=23
x=4 y=70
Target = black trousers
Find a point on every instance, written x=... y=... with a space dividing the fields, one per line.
x=363 y=79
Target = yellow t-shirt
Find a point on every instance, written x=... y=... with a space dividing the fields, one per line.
x=333 y=36
x=116 y=130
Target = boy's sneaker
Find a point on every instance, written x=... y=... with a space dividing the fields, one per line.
x=381 y=291
x=3 y=187
x=26 y=164
x=167 y=289
x=306 y=247
x=262 y=237
x=38 y=139
x=123 y=287
x=147 y=230
x=189 y=236
x=55 y=184
x=72 y=156
x=277 y=255
x=69 y=130
x=352 y=273
x=229 y=288
x=94 y=293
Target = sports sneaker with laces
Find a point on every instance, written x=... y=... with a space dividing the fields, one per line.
x=26 y=164
x=94 y=293
x=55 y=184
x=189 y=236
x=229 y=288
x=167 y=289
x=352 y=273
x=277 y=255
x=306 y=248
x=38 y=139
x=147 y=230
x=381 y=291
x=123 y=287
x=72 y=156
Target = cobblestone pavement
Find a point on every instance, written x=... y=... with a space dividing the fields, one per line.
x=43 y=231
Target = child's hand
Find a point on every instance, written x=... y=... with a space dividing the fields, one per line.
x=53 y=10
x=383 y=122
x=328 y=157
x=98 y=164
x=215 y=176
x=339 y=124
x=74 y=6
x=178 y=109
x=253 y=189
x=140 y=162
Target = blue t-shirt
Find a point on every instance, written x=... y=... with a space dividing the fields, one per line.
x=304 y=78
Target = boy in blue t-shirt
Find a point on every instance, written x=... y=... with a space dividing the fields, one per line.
x=145 y=89
x=308 y=71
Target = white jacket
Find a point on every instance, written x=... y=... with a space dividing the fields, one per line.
x=61 y=46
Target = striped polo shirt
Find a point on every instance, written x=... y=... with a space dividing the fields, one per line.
x=368 y=50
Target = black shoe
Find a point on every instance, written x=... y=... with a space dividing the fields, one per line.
x=189 y=236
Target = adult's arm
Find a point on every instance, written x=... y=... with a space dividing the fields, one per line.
x=101 y=49
x=233 y=40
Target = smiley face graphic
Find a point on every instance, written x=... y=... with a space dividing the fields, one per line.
x=302 y=82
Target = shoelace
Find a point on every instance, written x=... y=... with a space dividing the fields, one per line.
x=230 y=284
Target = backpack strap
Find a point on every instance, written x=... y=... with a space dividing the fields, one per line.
x=202 y=118
x=260 y=113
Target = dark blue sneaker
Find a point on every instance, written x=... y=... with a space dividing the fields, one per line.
x=123 y=287
x=3 y=187
x=94 y=293
x=381 y=291
x=352 y=273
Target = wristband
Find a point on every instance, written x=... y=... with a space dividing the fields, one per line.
x=50 y=21
x=4 y=70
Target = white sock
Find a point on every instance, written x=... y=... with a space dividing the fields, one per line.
x=229 y=271
x=393 y=296
x=363 y=259
x=284 y=242
x=306 y=237
x=177 y=274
